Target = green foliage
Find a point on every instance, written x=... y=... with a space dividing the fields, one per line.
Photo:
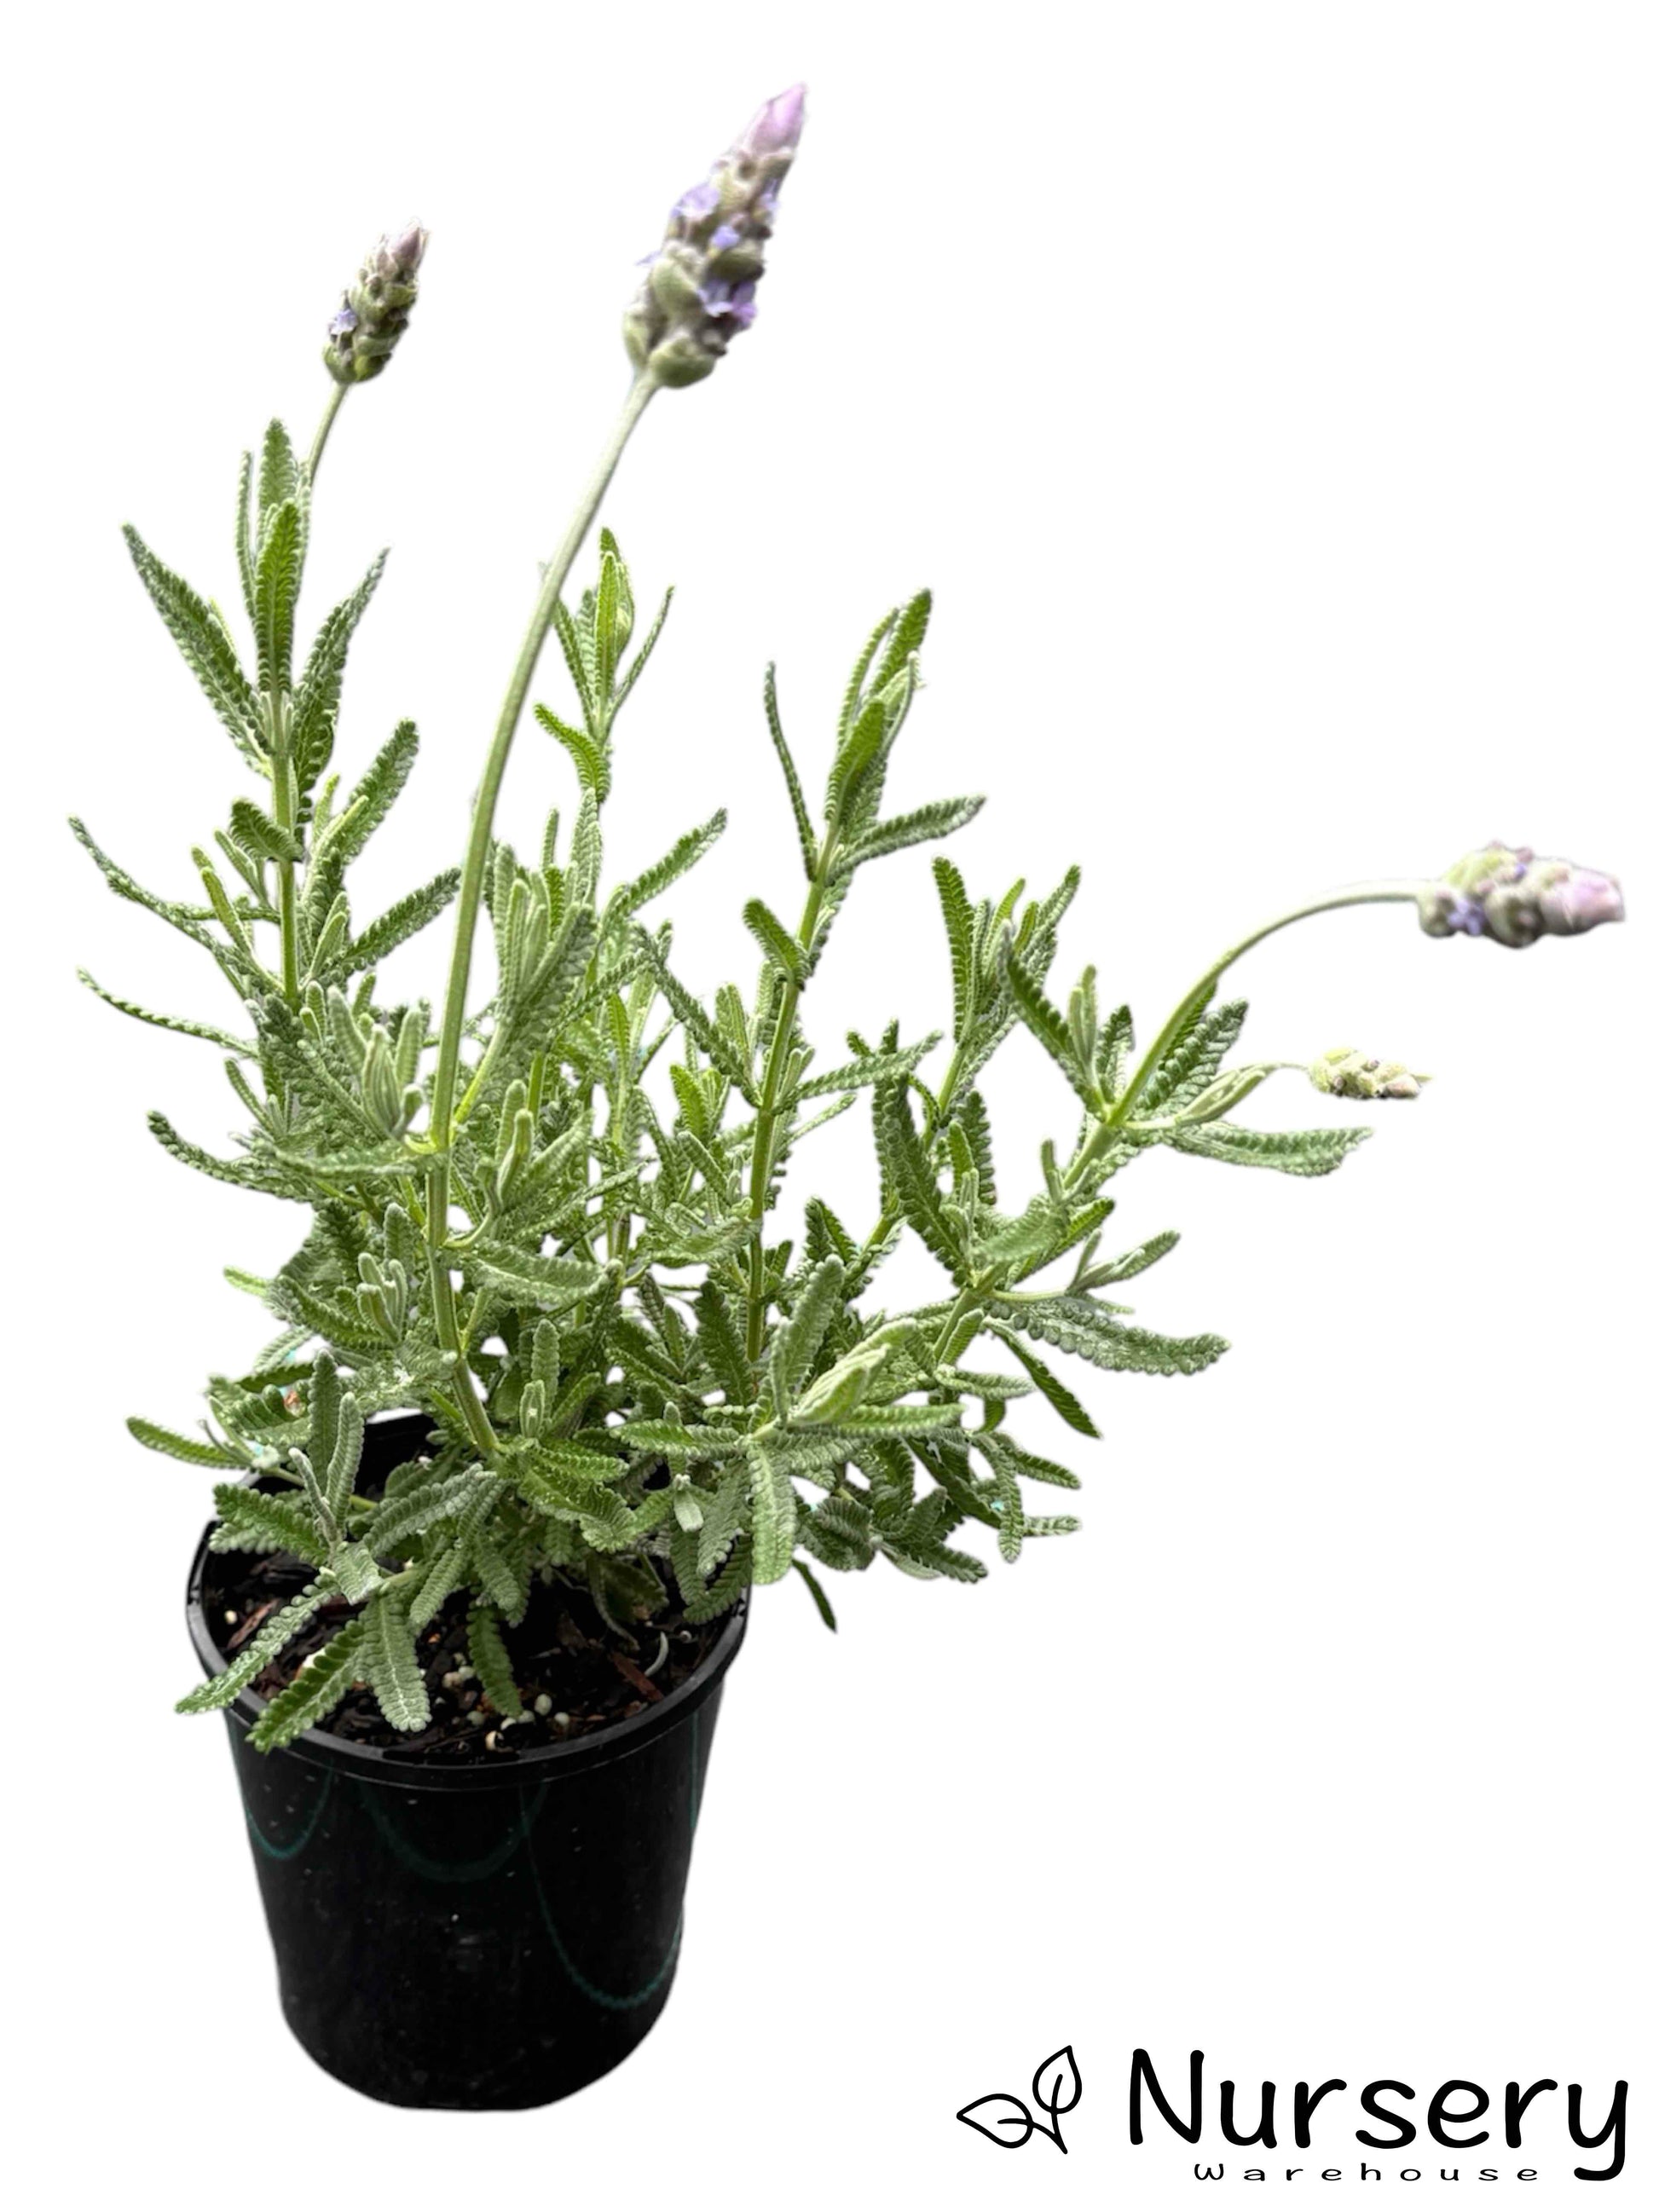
x=631 y=1380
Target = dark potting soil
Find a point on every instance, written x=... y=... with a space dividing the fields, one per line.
x=563 y=1651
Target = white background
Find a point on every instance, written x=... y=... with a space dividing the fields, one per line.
x=1267 y=393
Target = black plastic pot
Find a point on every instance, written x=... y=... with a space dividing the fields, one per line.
x=475 y=1936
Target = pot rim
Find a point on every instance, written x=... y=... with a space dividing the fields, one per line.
x=402 y=1770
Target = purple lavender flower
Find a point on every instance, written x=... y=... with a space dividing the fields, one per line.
x=376 y=312
x=1579 y=899
x=776 y=128
x=699 y=290
x=1508 y=894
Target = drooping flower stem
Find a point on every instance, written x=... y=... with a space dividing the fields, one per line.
x=1378 y=893
x=441 y=1125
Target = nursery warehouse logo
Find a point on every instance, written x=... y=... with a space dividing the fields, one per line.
x=1454 y=2131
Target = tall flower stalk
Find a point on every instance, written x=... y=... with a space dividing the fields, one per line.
x=441 y=1125
x=716 y=248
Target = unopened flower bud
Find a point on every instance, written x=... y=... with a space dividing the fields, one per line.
x=374 y=314
x=776 y=128
x=1344 y=1073
x=1507 y=893
x=699 y=288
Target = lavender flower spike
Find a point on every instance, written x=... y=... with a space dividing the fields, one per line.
x=374 y=312
x=699 y=289
x=1507 y=893
x=1345 y=1073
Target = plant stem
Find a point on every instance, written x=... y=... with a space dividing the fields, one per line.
x=284 y=793
x=1378 y=894
x=314 y=457
x=443 y=1121
x=1111 y=1127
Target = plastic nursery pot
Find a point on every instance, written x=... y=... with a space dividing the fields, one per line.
x=475 y=1936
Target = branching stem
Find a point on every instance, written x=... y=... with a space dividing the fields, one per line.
x=1112 y=1126
x=1356 y=895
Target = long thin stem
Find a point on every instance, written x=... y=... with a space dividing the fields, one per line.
x=445 y=1080
x=1378 y=894
x=283 y=789
x=313 y=459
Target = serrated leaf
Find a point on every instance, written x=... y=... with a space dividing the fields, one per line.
x=772 y=1516
x=709 y=1040
x=280 y=1630
x=588 y=754
x=533 y=1279
x=251 y=1521
x=1291 y=1151
x=722 y=1348
x=240 y=1048
x=780 y=947
x=873 y=1067
x=279 y=475
x=324 y=1401
x=389 y=1660
x=1135 y=1262
x=1048 y=1026
x=826 y=1610
x=941 y=819
x=277 y=573
x=868 y=1423
x=206 y=645
x=907 y=1174
x=809 y=844
x=1000 y=1450
x=494 y=1667
x=577 y=1462
x=693 y=1444
x=400 y=922
x=196 y=1451
x=345 y=836
x=242 y=972
x=684 y=855
x=448 y=1573
x=1064 y=1402
x=1189 y=1068
x=415 y=1511
x=1077 y=1325
x=317 y=701
x=254 y=829
x=315 y=1691
x=726 y=1589
x=796 y=1344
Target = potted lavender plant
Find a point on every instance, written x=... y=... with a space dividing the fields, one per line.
x=548 y=1393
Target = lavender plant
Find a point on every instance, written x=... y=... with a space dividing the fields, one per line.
x=571 y=1266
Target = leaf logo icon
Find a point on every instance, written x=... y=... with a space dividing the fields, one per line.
x=1001 y=2117
x=1057 y=2085
x=1009 y=2122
